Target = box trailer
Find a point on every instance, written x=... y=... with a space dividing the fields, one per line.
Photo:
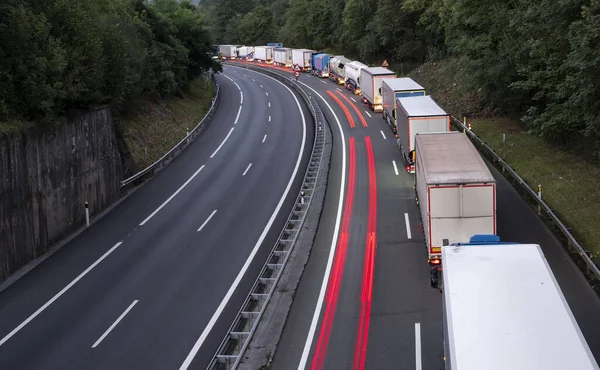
x=321 y=65
x=302 y=58
x=245 y=53
x=228 y=51
x=455 y=191
x=282 y=57
x=371 y=81
x=263 y=54
x=352 y=71
x=394 y=88
x=337 y=67
x=502 y=308
x=416 y=115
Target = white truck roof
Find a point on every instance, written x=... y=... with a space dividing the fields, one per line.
x=505 y=310
x=421 y=106
x=378 y=71
x=450 y=158
x=403 y=84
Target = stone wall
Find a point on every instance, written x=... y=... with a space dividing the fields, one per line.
x=45 y=180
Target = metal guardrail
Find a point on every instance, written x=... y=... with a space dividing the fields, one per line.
x=531 y=196
x=178 y=148
x=233 y=346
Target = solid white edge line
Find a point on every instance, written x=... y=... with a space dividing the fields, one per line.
x=229 y=78
x=418 y=346
x=408 y=233
x=264 y=138
x=382 y=134
x=319 y=304
x=115 y=323
x=395 y=168
x=33 y=316
x=188 y=360
x=207 y=220
x=238 y=86
x=247 y=168
x=172 y=196
x=238 y=115
x=224 y=140
x=368 y=114
x=241 y=97
x=269 y=118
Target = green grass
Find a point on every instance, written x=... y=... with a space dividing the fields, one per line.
x=160 y=125
x=569 y=185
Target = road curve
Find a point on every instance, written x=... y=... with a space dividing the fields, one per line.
x=138 y=288
x=402 y=312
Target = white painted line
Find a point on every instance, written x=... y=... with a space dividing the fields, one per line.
x=269 y=104
x=261 y=86
x=264 y=138
x=408 y=233
x=395 y=168
x=208 y=219
x=224 y=140
x=418 y=346
x=241 y=98
x=267 y=93
x=238 y=115
x=315 y=319
x=254 y=80
x=382 y=134
x=353 y=100
x=247 y=168
x=188 y=360
x=172 y=196
x=47 y=304
x=238 y=86
x=323 y=82
x=337 y=88
x=229 y=78
x=269 y=118
x=245 y=75
x=368 y=114
x=115 y=324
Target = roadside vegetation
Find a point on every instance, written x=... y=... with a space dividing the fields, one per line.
x=523 y=68
x=73 y=55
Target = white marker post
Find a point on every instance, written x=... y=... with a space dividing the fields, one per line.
x=539 y=207
x=87 y=214
x=301 y=196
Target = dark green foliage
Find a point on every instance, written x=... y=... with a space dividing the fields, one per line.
x=61 y=55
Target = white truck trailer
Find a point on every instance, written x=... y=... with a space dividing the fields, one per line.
x=337 y=65
x=302 y=58
x=371 y=80
x=456 y=191
x=394 y=88
x=263 y=54
x=416 y=115
x=282 y=57
x=352 y=71
x=228 y=51
x=246 y=53
x=503 y=309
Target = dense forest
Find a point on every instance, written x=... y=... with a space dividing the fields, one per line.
x=533 y=59
x=62 y=55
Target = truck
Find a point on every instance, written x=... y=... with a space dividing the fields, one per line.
x=302 y=58
x=228 y=51
x=455 y=191
x=394 y=88
x=282 y=57
x=263 y=54
x=312 y=60
x=352 y=71
x=245 y=53
x=415 y=115
x=371 y=81
x=337 y=65
x=320 y=66
x=502 y=308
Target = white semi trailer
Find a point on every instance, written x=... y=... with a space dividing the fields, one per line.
x=228 y=51
x=302 y=58
x=282 y=57
x=371 y=80
x=456 y=191
x=246 y=53
x=394 y=88
x=503 y=309
x=352 y=71
x=263 y=54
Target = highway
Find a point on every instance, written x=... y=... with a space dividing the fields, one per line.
x=353 y=311
x=156 y=282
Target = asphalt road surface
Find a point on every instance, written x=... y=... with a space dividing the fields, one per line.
x=351 y=310
x=156 y=283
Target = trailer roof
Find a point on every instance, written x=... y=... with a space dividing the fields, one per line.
x=450 y=158
x=379 y=71
x=420 y=106
x=402 y=84
x=505 y=310
x=303 y=50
